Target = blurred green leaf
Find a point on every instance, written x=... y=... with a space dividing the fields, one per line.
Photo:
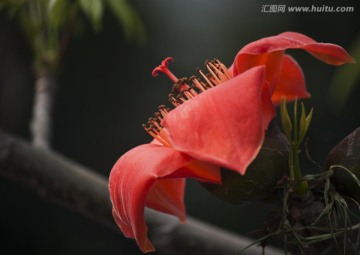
x=49 y=24
x=285 y=120
x=128 y=18
x=308 y=120
x=12 y=6
x=57 y=13
x=94 y=9
x=302 y=127
x=304 y=122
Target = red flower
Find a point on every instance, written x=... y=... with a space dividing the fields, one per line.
x=216 y=133
x=217 y=122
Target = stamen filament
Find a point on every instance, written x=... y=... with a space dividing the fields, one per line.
x=155 y=136
x=218 y=71
x=181 y=98
x=187 y=94
x=193 y=92
x=205 y=78
x=164 y=136
x=197 y=84
x=159 y=116
x=158 y=133
x=216 y=79
x=224 y=69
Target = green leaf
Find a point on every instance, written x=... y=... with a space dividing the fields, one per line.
x=345 y=79
x=94 y=10
x=304 y=122
x=308 y=120
x=302 y=129
x=285 y=120
x=296 y=121
x=57 y=13
x=56 y=16
x=128 y=18
x=11 y=6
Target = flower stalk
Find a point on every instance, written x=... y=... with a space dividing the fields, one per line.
x=295 y=134
x=301 y=186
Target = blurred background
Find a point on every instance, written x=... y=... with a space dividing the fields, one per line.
x=106 y=91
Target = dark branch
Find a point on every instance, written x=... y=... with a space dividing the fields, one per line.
x=61 y=180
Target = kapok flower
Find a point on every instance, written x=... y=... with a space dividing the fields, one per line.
x=219 y=120
x=221 y=117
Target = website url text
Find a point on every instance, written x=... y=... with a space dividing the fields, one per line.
x=324 y=8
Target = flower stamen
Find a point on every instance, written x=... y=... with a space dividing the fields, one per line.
x=223 y=69
x=180 y=85
x=215 y=74
x=205 y=78
x=181 y=99
x=201 y=86
x=155 y=129
x=182 y=92
x=163 y=110
x=173 y=100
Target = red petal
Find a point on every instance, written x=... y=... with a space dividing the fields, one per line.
x=201 y=171
x=271 y=60
x=268 y=110
x=327 y=52
x=223 y=125
x=331 y=54
x=292 y=82
x=130 y=181
x=269 y=51
x=137 y=179
x=166 y=195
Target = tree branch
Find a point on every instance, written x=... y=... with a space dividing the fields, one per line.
x=65 y=182
x=45 y=86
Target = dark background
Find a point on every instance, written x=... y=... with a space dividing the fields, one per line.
x=106 y=92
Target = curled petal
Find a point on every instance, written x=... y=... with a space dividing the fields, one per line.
x=224 y=125
x=139 y=179
x=329 y=53
x=269 y=51
x=271 y=60
x=166 y=195
x=291 y=83
x=326 y=52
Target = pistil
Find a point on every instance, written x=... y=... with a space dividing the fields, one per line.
x=163 y=67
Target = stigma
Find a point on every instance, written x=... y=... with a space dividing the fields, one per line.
x=184 y=89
